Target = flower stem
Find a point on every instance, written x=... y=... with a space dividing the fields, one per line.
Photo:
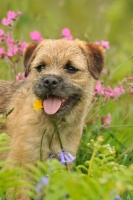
x=41 y=145
x=55 y=129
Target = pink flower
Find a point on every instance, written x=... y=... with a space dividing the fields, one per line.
x=6 y=22
x=131 y=91
x=9 y=40
x=129 y=78
x=22 y=46
x=106 y=92
x=105 y=72
x=66 y=32
x=36 y=36
x=19 y=13
x=2 y=52
x=106 y=120
x=117 y=91
x=12 y=51
x=20 y=76
x=97 y=43
x=105 y=44
x=1 y=33
x=12 y=15
x=69 y=37
x=98 y=88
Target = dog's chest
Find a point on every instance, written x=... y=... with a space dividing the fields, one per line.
x=54 y=141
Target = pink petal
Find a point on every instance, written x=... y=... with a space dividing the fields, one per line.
x=105 y=44
x=106 y=120
x=97 y=43
x=69 y=37
x=66 y=32
x=6 y=22
x=1 y=32
x=36 y=36
x=9 y=40
x=11 y=15
x=19 y=13
x=22 y=46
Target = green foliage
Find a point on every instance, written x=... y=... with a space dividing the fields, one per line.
x=100 y=177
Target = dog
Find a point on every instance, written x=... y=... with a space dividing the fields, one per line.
x=61 y=75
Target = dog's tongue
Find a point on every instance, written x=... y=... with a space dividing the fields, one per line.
x=51 y=105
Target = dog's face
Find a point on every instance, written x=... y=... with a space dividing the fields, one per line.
x=62 y=72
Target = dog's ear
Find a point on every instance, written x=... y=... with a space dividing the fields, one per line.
x=95 y=57
x=29 y=56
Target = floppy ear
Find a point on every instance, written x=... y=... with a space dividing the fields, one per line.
x=29 y=55
x=95 y=58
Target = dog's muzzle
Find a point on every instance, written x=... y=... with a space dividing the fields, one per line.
x=58 y=95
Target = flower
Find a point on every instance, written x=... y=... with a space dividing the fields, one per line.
x=22 y=46
x=98 y=87
x=38 y=105
x=12 y=51
x=36 y=36
x=100 y=138
x=117 y=91
x=97 y=43
x=19 y=13
x=66 y=33
x=106 y=92
x=6 y=22
x=69 y=37
x=2 y=52
x=12 y=15
x=1 y=33
x=42 y=183
x=65 y=157
x=20 y=76
x=9 y=40
x=105 y=44
x=131 y=91
x=129 y=78
x=104 y=72
x=117 y=197
x=106 y=120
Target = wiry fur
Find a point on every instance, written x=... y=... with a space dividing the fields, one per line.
x=25 y=125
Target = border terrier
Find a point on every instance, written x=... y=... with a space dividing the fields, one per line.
x=62 y=74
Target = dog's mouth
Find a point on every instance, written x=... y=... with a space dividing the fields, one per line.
x=57 y=105
x=54 y=104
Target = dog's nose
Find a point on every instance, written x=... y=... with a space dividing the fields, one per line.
x=51 y=82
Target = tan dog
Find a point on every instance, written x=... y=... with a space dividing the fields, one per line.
x=62 y=74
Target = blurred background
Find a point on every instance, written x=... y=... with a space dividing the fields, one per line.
x=110 y=20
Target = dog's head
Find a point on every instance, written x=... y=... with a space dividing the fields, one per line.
x=63 y=72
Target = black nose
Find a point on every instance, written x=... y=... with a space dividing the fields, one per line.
x=51 y=82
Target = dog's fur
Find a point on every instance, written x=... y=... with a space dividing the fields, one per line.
x=75 y=66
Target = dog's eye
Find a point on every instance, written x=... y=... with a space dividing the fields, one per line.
x=40 y=67
x=70 y=69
